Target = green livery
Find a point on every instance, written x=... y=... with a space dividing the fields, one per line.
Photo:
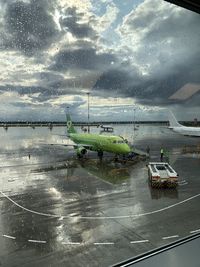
x=70 y=127
x=96 y=142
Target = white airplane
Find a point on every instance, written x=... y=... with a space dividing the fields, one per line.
x=184 y=130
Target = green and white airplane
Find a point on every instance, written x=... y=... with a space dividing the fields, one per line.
x=96 y=142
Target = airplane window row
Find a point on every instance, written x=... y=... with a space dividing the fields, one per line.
x=118 y=142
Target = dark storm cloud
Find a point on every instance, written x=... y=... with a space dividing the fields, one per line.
x=114 y=79
x=158 y=90
x=35 y=93
x=21 y=104
x=39 y=94
x=22 y=90
x=32 y=95
x=28 y=26
x=151 y=90
x=155 y=35
x=70 y=22
x=82 y=58
x=167 y=44
x=171 y=27
x=175 y=43
x=73 y=105
x=52 y=80
x=81 y=54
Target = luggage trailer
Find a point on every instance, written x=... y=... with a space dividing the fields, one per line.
x=161 y=174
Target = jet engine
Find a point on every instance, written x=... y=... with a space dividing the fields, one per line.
x=81 y=151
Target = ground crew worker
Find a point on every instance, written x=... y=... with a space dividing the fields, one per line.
x=100 y=154
x=161 y=154
x=148 y=150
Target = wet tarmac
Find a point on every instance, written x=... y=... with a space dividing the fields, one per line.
x=59 y=211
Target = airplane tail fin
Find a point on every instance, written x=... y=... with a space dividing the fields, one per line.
x=173 y=121
x=70 y=127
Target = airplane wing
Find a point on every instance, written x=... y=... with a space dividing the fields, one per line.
x=54 y=144
x=59 y=145
x=63 y=135
x=86 y=146
x=83 y=145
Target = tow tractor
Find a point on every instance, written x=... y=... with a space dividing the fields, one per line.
x=161 y=174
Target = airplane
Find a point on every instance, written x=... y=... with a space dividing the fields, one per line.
x=96 y=142
x=184 y=130
x=106 y=128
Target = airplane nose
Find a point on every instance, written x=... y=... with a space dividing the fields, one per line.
x=128 y=150
x=124 y=150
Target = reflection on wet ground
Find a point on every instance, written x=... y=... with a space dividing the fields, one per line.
x=57 y=210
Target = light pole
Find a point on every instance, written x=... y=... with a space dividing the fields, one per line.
x=134 y=123
x=134 y=117
x=67 y=111
x=88 y=111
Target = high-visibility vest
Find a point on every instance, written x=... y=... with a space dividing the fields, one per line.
x=161 y=151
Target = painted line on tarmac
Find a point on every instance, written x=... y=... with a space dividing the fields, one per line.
x=31 y=211
x=100 y=217
x=71 y=243
x=9 y=236
x=169 y=237
x=104 y=243
x=183 y=184
x=195 y=231
x=37 y=241
x=182 y=181
x=139 y=241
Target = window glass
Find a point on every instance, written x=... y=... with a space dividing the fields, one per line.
x=72 y=74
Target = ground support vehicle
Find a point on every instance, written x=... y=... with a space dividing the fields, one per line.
x=161 y=174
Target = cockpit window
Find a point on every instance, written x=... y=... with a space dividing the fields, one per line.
x=118 y=142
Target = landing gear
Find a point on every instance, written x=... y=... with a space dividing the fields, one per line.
x=100 y=154
x=116 y=158
x=124 y=158
x=79 y=155
x=81 y=152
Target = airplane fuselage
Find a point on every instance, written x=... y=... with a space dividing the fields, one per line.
x=188 y=131
x=181 y=129
x=113 y=144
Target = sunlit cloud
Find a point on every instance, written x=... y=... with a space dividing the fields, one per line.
x=128 y=54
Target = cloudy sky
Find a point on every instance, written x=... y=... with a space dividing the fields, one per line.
x=130 y=54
